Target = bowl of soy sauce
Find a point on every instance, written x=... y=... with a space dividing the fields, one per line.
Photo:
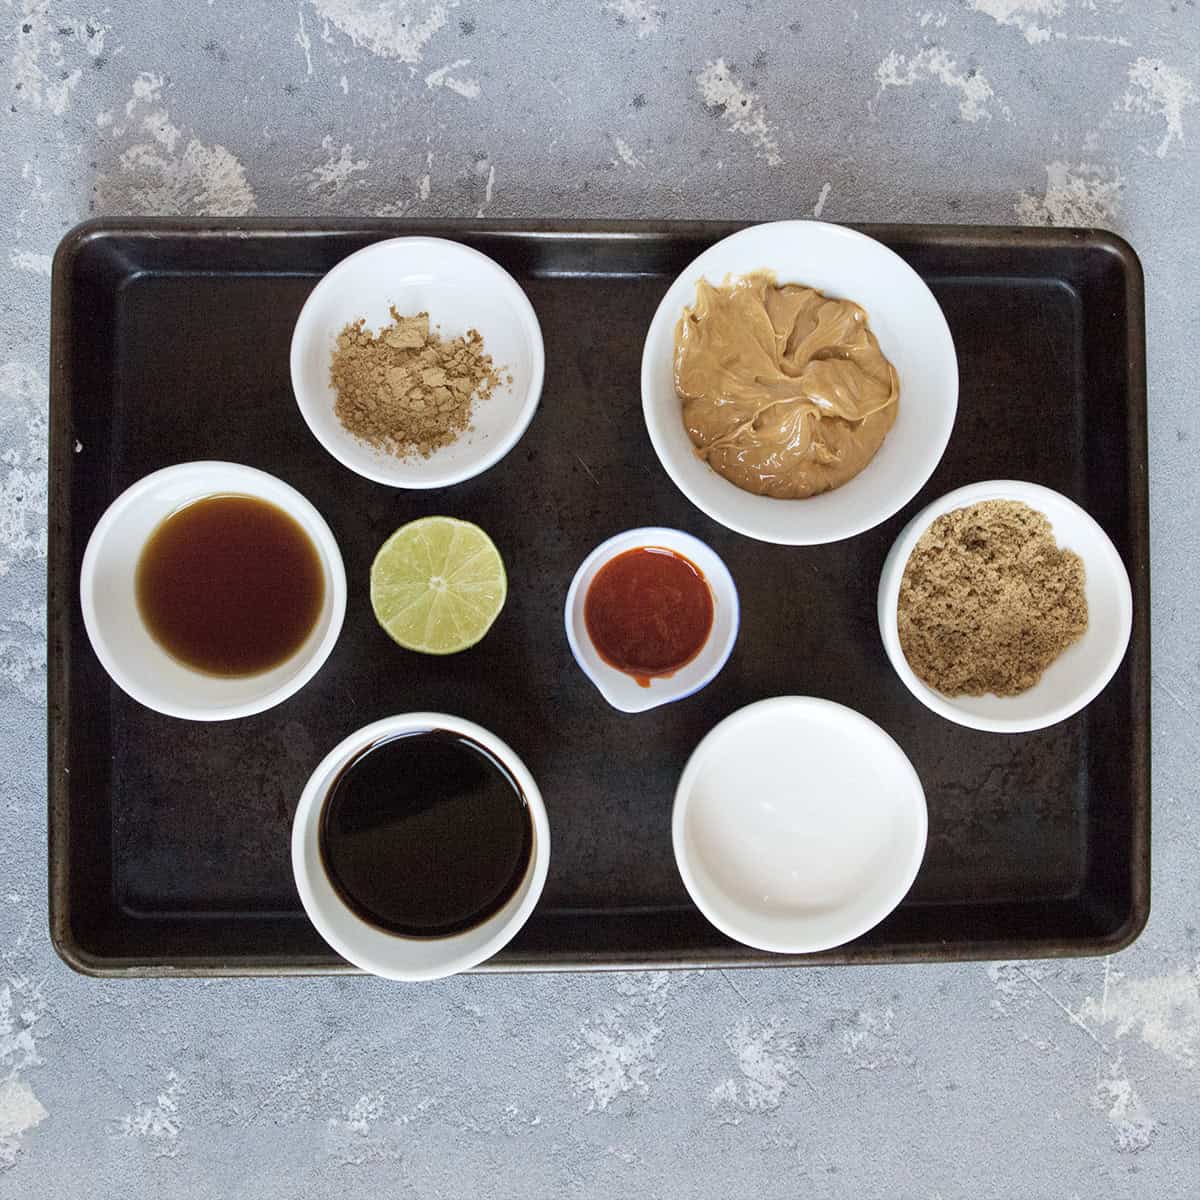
x=420 y=846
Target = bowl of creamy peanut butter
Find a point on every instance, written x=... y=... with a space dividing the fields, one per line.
x=799 y=382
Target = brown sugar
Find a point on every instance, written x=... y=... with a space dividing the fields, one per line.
x=406 y=390
x=989 y=600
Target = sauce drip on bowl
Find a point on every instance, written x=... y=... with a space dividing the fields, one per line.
x=648 y=612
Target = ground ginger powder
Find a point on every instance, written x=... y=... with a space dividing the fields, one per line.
x=406 y=390
x=989 y=600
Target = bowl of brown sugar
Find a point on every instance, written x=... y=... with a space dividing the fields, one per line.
x=417 y=362
x=1004 y=606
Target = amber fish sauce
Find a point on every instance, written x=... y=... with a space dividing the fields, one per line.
x=230 y=585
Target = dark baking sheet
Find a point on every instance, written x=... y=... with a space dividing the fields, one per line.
x=169 y=841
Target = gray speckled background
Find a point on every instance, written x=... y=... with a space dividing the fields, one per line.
x=1041 y=1079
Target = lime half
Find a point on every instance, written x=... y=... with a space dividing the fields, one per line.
x=437 y=585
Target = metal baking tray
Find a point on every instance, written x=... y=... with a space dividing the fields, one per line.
x=169 y=841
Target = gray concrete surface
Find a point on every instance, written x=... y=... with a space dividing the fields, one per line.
x=1039 y=1079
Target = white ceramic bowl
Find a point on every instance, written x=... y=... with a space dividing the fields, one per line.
x=1077 y=676
x=912 y=332
x=461 y=289
x=798 y=825
x=622 y=691
x=387 y=954
x=134 y=660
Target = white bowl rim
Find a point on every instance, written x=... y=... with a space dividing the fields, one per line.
x=315 y=894
x=723 y=586
x=497 y=449
x=1037 y=496
x=313 y=523
x=668 y=310
x=904 y=879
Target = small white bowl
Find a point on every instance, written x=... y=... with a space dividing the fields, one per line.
x=461 y=289
x=1079 y=674
x=107 y=589
x=798 y=825
x=621 y=690
x=912 y=332
x=388 y=954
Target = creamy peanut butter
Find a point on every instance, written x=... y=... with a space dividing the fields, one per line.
x=785 y=391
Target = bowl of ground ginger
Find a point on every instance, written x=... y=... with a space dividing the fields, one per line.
x=417 y=362
x=1004 y=606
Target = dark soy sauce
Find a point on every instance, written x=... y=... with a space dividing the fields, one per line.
x=426 y=834
x=230 y=585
